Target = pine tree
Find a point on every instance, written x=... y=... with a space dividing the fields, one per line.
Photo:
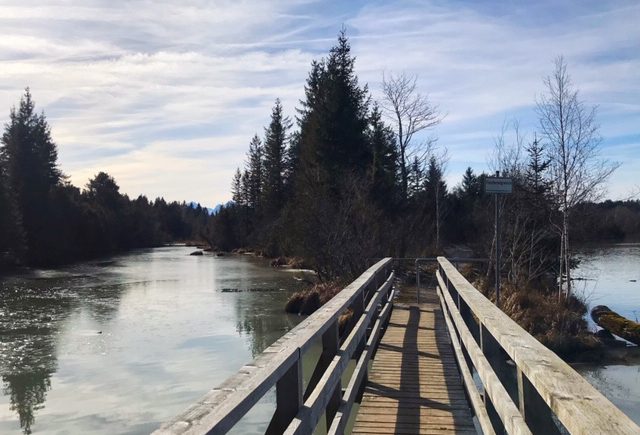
x=471 y=187
x=274 y=165
x=11 y=232
x=236 y=187
x=334 y=158
x=104 y=190
x=334 y=121
x=384 y=164
x=536 y=180
x=416 y=178
x=255 y=173
x=436 y=192
x=29 y=157
x=245 y=182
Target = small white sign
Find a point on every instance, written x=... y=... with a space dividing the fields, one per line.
x=499 y=185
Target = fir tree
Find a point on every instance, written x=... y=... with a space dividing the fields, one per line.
x=384 y=164
x=236 y=188
x=536 y=178
x=274 y=165
x=255 y=173
x=436 y=193
x=29 y=157
x=11 y=232
x=470 y=187
x=416 y=178
x=334 y=121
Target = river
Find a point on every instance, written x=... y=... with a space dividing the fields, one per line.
x=120 y=345
x=123 y=344
x=611 y=276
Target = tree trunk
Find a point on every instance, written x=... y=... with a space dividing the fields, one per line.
x=561 y=268
x=437 y=218
x=567 y=253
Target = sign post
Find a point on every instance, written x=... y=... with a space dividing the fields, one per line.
x=498 y=186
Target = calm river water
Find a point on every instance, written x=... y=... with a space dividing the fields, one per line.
x=119 y=346
x=612 y=278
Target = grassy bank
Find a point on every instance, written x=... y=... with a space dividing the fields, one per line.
x=559 y=324
x=307 y=301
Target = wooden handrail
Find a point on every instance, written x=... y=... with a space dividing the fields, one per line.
x=280 y=365
x=540 y=387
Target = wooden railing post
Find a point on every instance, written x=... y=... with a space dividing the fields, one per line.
x=330 y=342
x=466 y=315
x=497 y=357
x=491 y=351
x=533 y=408
x=279 y=367
x=527 y=388
x=289 y=398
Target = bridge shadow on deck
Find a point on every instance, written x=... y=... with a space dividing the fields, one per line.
x=414 y=385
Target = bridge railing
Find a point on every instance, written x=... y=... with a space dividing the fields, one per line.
x=525 y=388
x=300 y=407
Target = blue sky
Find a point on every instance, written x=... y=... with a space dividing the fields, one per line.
x=165 y=96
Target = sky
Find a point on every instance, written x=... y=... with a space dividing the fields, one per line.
x=166 y=95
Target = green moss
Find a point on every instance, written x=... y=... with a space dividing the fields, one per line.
x=616 y=324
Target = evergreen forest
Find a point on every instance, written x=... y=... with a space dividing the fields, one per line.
x=46 y=221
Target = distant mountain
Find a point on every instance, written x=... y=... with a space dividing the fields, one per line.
x=216 y=209
x=212 y=211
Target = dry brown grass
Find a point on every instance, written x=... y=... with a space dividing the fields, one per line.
x=309 y=300
x=289 y=262
x=558 y=324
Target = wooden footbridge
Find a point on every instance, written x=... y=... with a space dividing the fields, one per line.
x=450 y=363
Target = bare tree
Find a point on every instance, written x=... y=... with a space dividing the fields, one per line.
x=409 y=112
x=578 y=172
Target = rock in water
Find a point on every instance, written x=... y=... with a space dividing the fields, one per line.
x=197 y=253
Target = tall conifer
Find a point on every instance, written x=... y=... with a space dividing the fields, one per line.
x=29 y=157
x=274 y=159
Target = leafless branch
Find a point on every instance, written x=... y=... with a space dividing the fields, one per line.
x=409 y=112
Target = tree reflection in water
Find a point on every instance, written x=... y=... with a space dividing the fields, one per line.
x=261 y=316
x=28 y=343
x=27 y=392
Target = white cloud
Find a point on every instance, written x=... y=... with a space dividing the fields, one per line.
x=165 y=95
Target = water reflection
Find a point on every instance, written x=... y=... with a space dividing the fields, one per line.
x=82 y=348
x=33 y=311
x=29 y=323
x=263 y=320
x=619 y=383
x=611 y=276
x=27 y=392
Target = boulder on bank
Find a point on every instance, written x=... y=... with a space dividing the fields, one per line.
x=616 y=324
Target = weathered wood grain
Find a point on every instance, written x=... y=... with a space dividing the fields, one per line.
x=508 y=412
x=467 y=378
x=315 y=405
x=341 y=418
x=579 y=407
x=414 y=385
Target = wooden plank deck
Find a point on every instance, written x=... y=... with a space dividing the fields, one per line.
x=414 y=385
